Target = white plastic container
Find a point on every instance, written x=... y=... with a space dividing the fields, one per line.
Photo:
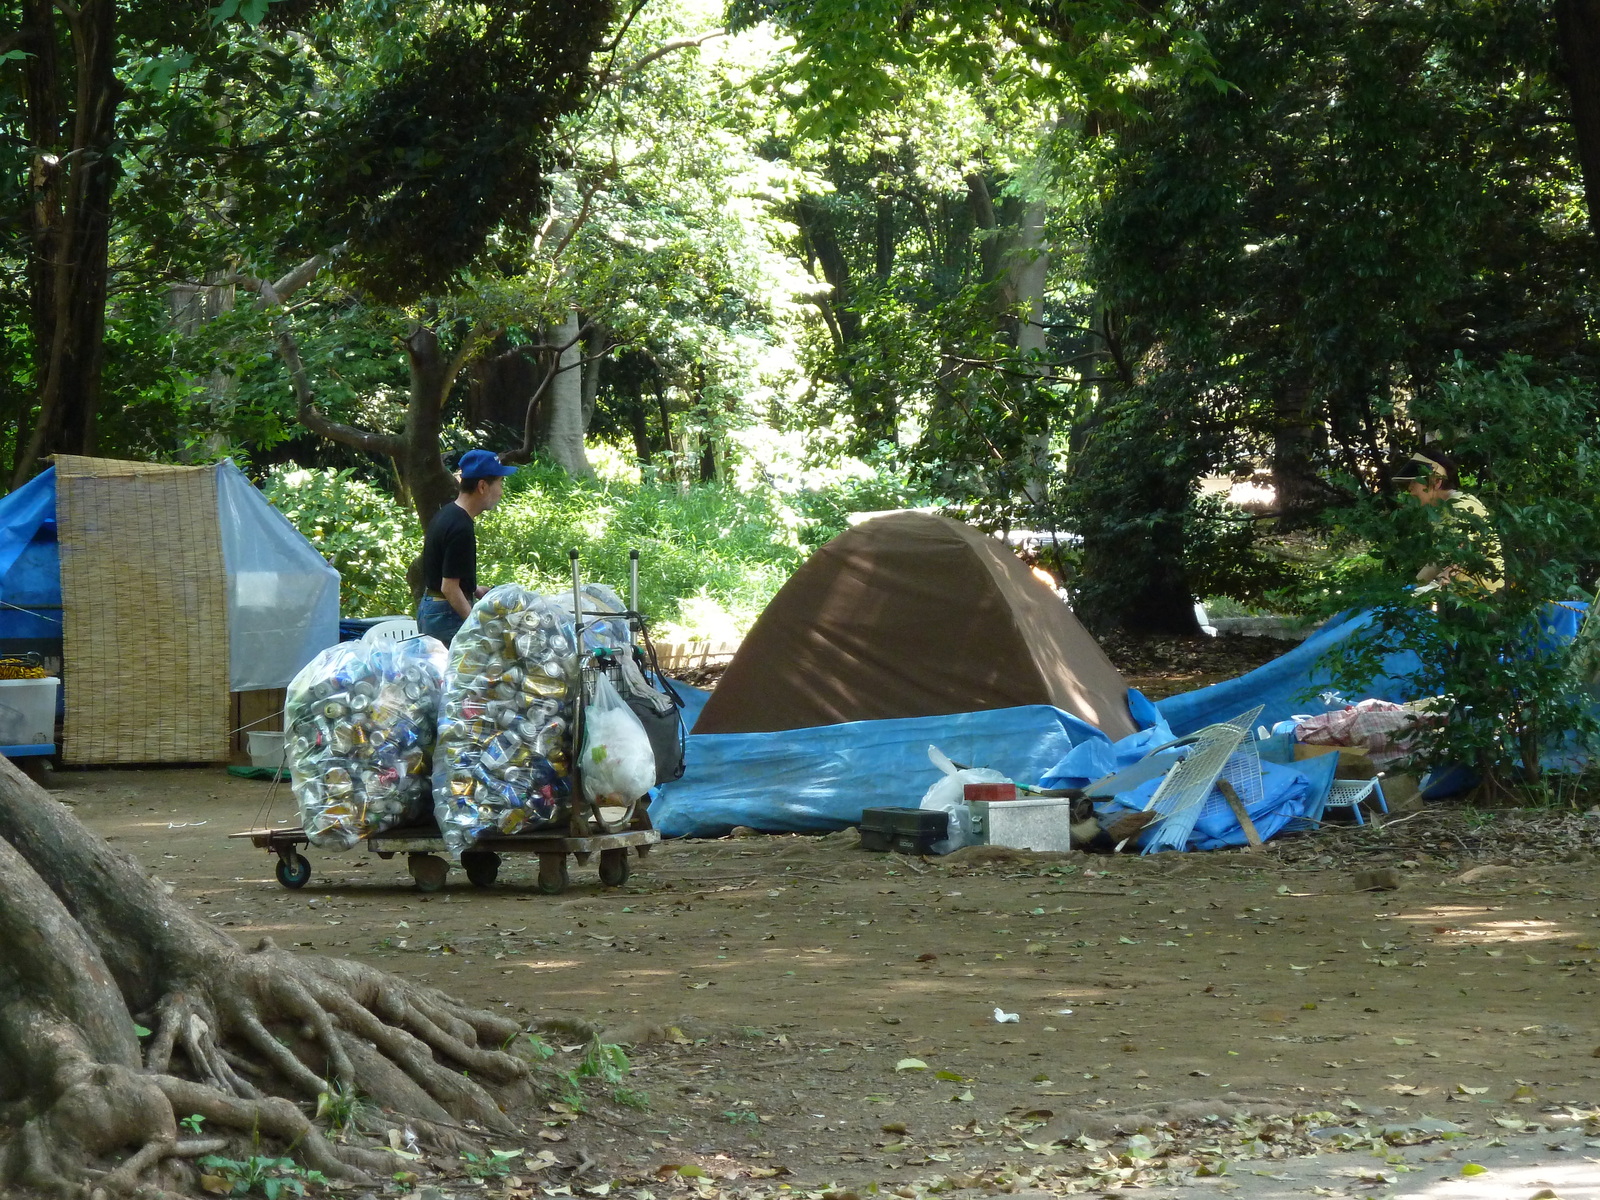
x=1035 y=823
x=28 y=711
x=266 y=748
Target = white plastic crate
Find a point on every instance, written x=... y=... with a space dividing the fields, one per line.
x=1036 y=823
x=266 y=748
x=28 y=711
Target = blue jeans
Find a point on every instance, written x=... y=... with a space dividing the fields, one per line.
x=437 y=619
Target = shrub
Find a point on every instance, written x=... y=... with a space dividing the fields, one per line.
x=1531 y=453
x=361 y=530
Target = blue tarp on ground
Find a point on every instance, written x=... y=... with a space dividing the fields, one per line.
x=816 y=780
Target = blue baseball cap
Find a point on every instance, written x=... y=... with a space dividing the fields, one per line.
x=483 y=464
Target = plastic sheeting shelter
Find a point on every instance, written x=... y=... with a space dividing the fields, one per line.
x=910 y=616
x=169 y=587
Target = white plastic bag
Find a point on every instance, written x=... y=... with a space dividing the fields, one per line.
x=948 y=795
x=618 y=764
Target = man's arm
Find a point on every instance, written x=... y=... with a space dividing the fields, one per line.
x=451 y=589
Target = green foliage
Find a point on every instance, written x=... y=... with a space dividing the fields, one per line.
x=273 y=1177
x=827 y=510
x=496 y=1164
x=726 y=549
x=1531 y=453
x=449 y=146
x=631 y=1098
x=368 y=537
x=604 y=1061
x=340 y=1108
x=537 y=1048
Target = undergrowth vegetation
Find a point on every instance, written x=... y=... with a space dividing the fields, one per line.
x=711 y=555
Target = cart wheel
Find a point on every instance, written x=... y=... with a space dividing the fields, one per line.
x=293 y=870
x=552 y=874
x=614 y=867
x=482 y=866
x=429 y=870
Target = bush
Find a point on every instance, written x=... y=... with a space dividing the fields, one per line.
x=1531 y=453
x=710 y=557
x=368 y=537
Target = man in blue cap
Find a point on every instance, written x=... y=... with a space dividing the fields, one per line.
x=450 y=547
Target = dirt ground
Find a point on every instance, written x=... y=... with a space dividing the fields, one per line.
x=805 y=1016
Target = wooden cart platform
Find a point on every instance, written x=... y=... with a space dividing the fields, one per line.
x=424 y=849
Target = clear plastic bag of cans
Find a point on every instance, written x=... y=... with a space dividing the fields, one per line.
x=502 y=764
x=360 y=733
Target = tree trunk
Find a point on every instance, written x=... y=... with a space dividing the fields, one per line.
x=561 y=412
x=421 y=468
x=90 y=946
x=594 y=344
x=1578 y=29
x=72 y=174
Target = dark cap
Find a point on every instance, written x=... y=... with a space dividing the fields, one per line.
x=483 y=464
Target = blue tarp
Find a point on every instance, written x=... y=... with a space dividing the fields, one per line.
x=816 y=780
x=22 y=514
x=1290 y=684
x=1284 y=794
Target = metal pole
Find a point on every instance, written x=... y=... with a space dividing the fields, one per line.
x=633 y=581
x=577 y=601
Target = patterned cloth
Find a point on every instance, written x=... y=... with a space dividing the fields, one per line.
x=1386 y=731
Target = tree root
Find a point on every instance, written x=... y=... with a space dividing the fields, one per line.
x=236 y=1037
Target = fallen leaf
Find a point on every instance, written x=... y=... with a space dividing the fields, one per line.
x=1400 y=1041
x=1463 y=1090
x=914 y=1064
x=1471 y=1169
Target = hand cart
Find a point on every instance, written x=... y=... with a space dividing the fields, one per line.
x=424 y=850
x=610 y=831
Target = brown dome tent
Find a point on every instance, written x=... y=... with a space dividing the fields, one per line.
x=913 y=616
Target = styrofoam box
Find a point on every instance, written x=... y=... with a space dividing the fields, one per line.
x=28 y=711
x=1038 y=823
x=266 y=748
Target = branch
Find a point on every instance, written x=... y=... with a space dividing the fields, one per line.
x=578 y=221
x=469 y=346
x=623 y=29
x=661 y=51
x=349 y=435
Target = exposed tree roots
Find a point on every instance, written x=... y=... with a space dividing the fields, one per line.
x=248 y=1040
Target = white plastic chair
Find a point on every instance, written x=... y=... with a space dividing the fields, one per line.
x=1352 y=793
x=394 y=629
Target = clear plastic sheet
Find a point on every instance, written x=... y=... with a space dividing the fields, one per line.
x=502 y=761
x=360 y=737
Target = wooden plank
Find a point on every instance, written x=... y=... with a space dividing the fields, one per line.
x=1245 y=823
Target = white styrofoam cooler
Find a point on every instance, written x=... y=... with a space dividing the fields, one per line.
x=28 y=711
x=1035 y=823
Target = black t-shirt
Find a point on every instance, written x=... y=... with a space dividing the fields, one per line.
x=450 y=551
